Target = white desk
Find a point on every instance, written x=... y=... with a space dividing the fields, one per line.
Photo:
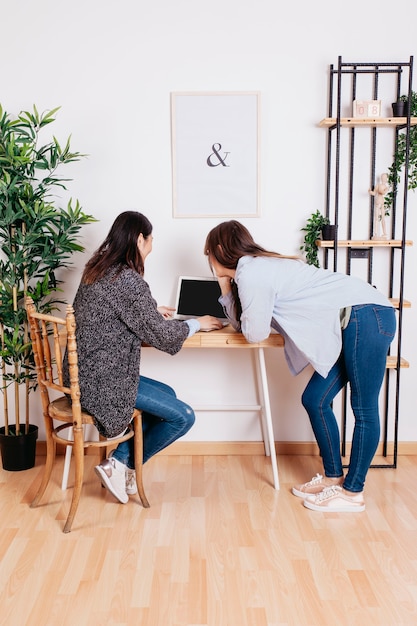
x=227 y=338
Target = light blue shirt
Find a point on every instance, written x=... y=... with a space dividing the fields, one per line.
x=194 y=326
x=299 y=301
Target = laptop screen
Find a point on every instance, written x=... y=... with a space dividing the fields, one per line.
x=198 y=295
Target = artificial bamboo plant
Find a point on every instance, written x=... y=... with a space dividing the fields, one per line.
x=37 y=237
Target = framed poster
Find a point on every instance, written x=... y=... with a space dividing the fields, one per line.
x=215 y=154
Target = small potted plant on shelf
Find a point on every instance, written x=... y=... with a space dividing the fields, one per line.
x=400 y=107
x=399 y=156
x=313 y=231
x=37 y=238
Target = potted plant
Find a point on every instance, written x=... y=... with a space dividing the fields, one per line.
x=400 y=108
x=37 y=238
x=313 y=231
x=400 y=151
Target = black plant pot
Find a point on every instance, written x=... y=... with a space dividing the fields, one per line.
x=328 y=232
x=18 y=452
x=399 y=108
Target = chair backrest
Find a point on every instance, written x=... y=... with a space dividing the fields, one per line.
x=51 y=337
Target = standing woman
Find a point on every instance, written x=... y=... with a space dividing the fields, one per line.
x=339 y=324
x=115 y=313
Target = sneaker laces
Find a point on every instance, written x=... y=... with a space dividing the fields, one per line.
x=316 y=479
x=328 y=492
x=130 y=479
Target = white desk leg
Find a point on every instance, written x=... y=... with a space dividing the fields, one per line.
x=261 y=403
x=267 y=416
x=67 y=464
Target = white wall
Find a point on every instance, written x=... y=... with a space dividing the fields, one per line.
x=112 y=65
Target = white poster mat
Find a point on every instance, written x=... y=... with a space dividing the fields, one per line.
x=215 y=154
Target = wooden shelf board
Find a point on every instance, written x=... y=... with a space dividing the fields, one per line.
x=351 y=122
x=363 y=243
x=396 y=303
x=392 y=363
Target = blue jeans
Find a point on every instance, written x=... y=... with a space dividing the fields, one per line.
x=362 y=363
x=164 y=420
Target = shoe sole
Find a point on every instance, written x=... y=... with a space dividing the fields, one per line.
x=336 y=509
x=105 y=481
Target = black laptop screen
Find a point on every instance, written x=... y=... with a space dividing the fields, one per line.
x=199 y=297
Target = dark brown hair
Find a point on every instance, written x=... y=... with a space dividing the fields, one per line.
x=120 y=248
x=227 y=243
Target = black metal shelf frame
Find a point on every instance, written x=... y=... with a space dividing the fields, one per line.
x=402 y=73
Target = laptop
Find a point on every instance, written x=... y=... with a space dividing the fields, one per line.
x=197 y=296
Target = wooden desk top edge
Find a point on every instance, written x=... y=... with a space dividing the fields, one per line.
x=227 y=337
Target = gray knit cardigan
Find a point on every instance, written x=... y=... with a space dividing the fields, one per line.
x=114 y=316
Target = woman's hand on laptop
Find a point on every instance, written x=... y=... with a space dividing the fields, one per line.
x=166 y=311
x=208 y=322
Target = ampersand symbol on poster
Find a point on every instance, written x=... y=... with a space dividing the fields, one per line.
x=221 y=160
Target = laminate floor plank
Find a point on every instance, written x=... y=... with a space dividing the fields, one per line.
x=218 y=547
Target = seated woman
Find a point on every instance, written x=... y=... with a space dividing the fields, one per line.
x=115 y=313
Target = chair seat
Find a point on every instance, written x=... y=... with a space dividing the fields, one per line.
x=61 y=409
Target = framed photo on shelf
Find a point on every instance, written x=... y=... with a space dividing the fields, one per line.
x=215 y=154
x=367 y=108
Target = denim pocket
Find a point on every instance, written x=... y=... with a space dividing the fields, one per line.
x=385 y=317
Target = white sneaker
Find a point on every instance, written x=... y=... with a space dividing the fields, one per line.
x=314 y=486
x=335 y=500
x=131 y=487
x=112 y=474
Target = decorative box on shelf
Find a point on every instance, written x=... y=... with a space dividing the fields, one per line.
x=366 y=108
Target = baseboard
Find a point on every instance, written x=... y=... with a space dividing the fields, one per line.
x=223 y=448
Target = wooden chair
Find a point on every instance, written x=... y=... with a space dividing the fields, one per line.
x=50 y=337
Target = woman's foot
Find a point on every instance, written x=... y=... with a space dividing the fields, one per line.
x=112 y=474
x=336 y=500
x=316 y=485
x=131 y=487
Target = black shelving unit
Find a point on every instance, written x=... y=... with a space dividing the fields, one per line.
x=346 y=81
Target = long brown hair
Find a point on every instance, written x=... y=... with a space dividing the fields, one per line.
x=120 y=248
x=228 y=242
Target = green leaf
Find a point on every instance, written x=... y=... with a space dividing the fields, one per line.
x=38 y=235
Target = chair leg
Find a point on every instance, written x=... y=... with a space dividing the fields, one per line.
x=78 y=453
x=138 y=447
x=49 y=463
x=103 y=450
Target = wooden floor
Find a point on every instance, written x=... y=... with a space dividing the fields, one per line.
x=218 y=547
